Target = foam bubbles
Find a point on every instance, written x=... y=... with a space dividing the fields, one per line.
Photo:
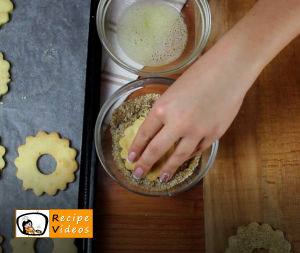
x=152 y=33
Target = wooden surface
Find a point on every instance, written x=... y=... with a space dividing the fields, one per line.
x=256 y=176
x=129 y=223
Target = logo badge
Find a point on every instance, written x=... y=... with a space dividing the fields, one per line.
x=32 y=223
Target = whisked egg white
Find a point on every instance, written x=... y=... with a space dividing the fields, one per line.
x=152 y=33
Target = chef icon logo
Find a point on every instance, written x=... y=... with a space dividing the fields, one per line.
x=32 y=223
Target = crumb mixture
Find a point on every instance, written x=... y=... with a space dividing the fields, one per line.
x=124 y=116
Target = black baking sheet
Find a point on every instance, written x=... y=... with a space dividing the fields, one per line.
x=89 y=159
x=46 y=43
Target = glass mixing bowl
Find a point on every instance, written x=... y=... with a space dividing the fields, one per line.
x=103 y=138
x=196 y=15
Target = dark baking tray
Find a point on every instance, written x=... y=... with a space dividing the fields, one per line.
x=55 y=57
x=91 y=109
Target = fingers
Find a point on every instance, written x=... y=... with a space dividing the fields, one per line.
x=186 y=148
x=147 y=131
x=202 y=145
x=182 y=153
x=159 y=145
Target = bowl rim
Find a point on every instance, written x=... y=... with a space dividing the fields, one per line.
x=100 y=17
x=98 y=137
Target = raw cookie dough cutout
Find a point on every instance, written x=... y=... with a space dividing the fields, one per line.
x=125 y=142
x=4 y=74
x=26 y=245
x=255 y=236
x=6 y=7
x=37 y=146
x=2 y=162
x=1 y=240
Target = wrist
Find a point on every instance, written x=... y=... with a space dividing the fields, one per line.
x=262 y=33
x=258 y=37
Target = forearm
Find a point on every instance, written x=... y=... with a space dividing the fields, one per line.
x=200 y=106
x=254 y=41
x=268 y=27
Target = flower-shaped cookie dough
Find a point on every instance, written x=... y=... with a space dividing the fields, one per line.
x=6 y=7
x=125 y=142
x=37 y=146
x=4 y=74
x=26 y=245
x=2 y=162
x=255 y=236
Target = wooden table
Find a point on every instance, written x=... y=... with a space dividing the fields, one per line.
x=256 y=176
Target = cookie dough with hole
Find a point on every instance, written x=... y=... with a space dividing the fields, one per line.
x=26 y=245
x=4 y=75
x=256 y=236
x=37 y=146
x=6 y=7
x=125 y=143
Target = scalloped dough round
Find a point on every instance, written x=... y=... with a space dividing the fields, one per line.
x=26 y=245
x=256 y=236
x=6 y=7
x=2 y=162
x=37 y=146
x=125 y=143
x=4 y=74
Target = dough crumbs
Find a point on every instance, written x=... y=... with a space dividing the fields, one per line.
x=4 y=74
x=256 y=236
x=125 y=116
x=6 y=7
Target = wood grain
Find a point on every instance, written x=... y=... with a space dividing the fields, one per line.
x=127 y=222
x=256 y=174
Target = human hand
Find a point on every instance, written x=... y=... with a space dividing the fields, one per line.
x=196 y=110
x=199 y=107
